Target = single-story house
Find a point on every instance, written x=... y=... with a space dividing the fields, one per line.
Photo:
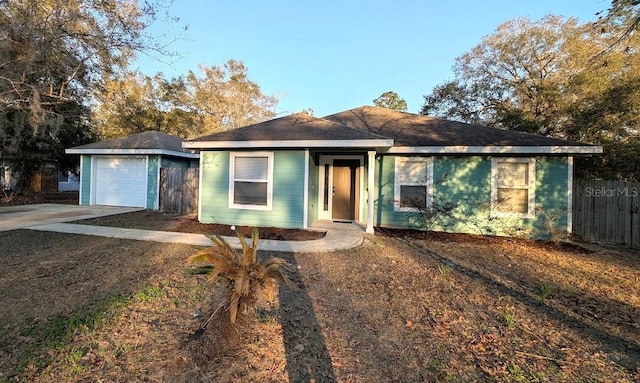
x=126 y=171
x=381 y=167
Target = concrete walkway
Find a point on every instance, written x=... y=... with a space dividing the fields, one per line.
x=339 y=236
x=26 y=216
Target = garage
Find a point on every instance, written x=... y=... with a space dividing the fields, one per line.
x=125 y=171
x=121 y=181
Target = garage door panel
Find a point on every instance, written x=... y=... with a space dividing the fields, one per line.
x=121 y=181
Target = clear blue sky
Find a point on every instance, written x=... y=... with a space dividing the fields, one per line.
x=335 y=55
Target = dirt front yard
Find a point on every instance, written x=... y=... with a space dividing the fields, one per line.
x=400 y=308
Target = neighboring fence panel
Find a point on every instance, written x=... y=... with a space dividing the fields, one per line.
x=607 y=211
x=44 y=182
x=179 y=190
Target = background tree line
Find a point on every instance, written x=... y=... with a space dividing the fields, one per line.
x=559 y=78
x=218 y=98
x=65 y=81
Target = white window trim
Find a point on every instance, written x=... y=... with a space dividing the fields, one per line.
x=531 y=187
x=232 y=180
x=328 y=160
x=428 y=183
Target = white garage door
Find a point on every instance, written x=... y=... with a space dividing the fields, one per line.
x=121 y=181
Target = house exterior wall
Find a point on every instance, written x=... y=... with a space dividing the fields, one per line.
x=288 y=192
x=466 y=182
x=153 y=181
x=85 y=180
x=154 y=163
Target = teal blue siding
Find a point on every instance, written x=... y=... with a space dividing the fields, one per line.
x=314 y=172
x=154 y=163
x=152 y=182
x=552 y=185
x=466 y=183
x=288 y=192
x=384 y=192
x=85 y=181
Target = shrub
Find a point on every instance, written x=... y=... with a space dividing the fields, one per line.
x=248 y=280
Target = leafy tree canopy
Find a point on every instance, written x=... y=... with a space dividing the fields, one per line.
x=391 y=100
x=217 y=98
x=554 y=77
x=54 y=55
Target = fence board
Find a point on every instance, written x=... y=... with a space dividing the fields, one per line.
x=179 y=190
x=607 y=211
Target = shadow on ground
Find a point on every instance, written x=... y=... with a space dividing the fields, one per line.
x=623 y=348
x=307 y=356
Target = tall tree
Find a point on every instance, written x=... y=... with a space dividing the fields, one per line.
x=219 y=99
x=553 y=77
x=391 y=100
x=629 y=9
x=225 y=98
x=53 y=56
x=134 y=103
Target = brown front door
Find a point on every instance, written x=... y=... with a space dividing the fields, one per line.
x=345 y=189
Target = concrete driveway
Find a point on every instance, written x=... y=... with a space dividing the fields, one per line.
x=25 y=216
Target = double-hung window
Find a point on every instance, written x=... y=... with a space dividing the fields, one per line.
x=513 y=187
x=251 y=180
x=413 y=183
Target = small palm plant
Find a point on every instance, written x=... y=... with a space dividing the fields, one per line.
x=249 y=281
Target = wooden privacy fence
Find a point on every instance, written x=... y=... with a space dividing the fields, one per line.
x=179 y=190
x=607 y=211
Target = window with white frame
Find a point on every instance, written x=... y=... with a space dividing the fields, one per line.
x=413 y=183
x=513 y=187
x=251 y=180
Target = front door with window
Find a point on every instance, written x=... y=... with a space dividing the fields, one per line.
x=345 y=189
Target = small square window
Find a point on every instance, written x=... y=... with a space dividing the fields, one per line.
x=251 y=180
x=413 y=182
x=513 y=187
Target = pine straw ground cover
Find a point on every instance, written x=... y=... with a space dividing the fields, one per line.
x=397 y=309
x=156 y=220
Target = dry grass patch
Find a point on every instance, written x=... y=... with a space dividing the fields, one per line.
x=411 y=309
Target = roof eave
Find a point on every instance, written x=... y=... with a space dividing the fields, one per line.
x=164 y=152
x=363 y=143
x=556 y=149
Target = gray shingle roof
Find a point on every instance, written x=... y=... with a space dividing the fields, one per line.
x=146 y=140
x=386 y=129
x=295 y=127
x=409 y=129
